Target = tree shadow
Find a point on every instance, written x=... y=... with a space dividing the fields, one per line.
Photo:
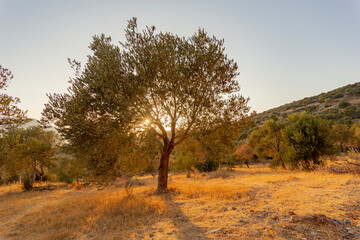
x=187 y=229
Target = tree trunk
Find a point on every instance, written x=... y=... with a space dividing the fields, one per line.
x=282 y=162
x=163 y=168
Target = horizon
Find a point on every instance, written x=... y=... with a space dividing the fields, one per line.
x=285 y=51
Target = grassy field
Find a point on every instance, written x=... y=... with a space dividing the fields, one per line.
x=255 y=203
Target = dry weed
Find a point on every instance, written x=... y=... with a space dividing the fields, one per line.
x=221 y=173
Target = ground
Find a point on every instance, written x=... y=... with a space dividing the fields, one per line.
x=255 y=203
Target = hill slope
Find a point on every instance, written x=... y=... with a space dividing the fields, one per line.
x=341 y=105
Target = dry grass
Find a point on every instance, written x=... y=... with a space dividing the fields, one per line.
x=97 y=212
x=211 y=192
x=254 y=203
x=10 y=188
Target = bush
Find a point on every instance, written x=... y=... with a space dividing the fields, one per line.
x=344 y=104
x=12 y=179
x=28 y=182
x=311 y=108
x=65 y=177
x=51 y=177
x=207 y=166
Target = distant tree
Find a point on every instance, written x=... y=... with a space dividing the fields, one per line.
x=187 y=155
x=27 y=152
x=355 y=133
x=341 y=134
x=160 y=82
x=309 y=137
x=10 y=114
x=245 y=154
x=269 y=141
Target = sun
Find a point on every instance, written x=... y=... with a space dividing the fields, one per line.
x=147 y=121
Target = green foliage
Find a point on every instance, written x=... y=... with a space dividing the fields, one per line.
x=344 y=104
x=309 y=138
x=28 y=181
x=355 y=91
x=268 y=141
x=150 y=82
x=310 y=109
x=341 y=134
x=337 y=95
x=10 y=114
x=27 y=151
x=207 y=165
x=66 y=169
x=355 y=133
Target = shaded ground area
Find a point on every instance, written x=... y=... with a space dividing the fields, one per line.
x=255 y=203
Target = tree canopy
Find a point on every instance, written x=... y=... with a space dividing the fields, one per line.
x=268 y=141
x=27 y=152
x=309 y=137
x=10 y=114
x=159 y=83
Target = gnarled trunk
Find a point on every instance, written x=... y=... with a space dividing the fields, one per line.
x=163 y=168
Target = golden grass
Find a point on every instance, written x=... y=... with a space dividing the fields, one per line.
x=66 y=213
x=95 y=212
x=210 y=191
x=10 y=188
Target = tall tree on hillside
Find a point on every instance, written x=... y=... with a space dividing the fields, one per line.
x=160 y=82
x=10 y=114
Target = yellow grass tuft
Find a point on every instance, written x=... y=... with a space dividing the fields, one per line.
x=210 y=191
x=10 y=188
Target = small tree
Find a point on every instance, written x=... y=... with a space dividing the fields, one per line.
x=159 y=82
x=269 y=141
x=341 y=134
x=309 y=137
x=245 y=153
x=355 y=133
x=10 y=114
x=28 y=152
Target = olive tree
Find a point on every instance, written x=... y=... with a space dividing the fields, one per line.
x=309 y=137
x=161 y=83
x=10 y=114
x=269 y=141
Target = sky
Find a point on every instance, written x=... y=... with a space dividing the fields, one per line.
x=286 y=50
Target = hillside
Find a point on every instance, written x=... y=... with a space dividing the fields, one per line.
x=341 y=105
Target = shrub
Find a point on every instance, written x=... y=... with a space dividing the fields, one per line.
x=337 y=95
x=27 y=182
x=65 y=177
x=207 y=166
x=344 y=104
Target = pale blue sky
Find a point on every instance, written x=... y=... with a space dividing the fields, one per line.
x=286 y=50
